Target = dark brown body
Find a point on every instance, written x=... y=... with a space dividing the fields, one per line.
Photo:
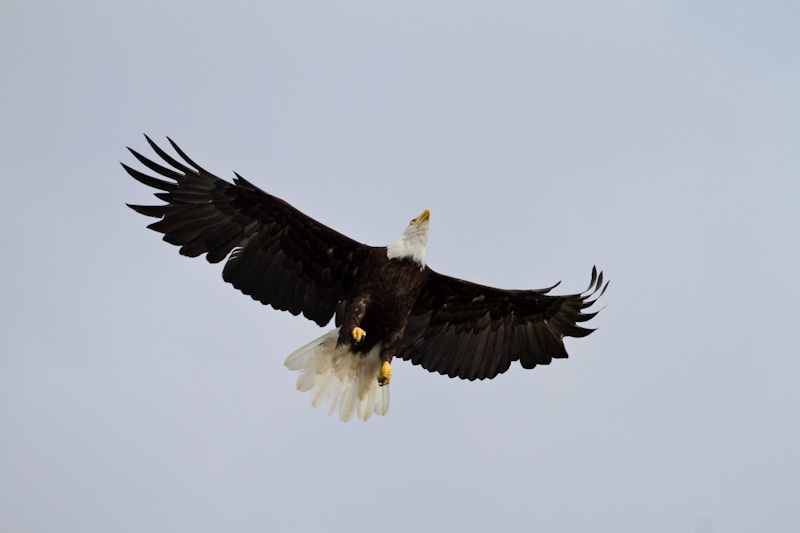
x=384 y=294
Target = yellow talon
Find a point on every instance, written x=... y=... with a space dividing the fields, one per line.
x=358 y=334
x=385 y=375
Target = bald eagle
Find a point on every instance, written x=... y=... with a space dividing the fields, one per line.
x=386 y=300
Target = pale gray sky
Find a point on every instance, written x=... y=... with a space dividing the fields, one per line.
x=658 y=140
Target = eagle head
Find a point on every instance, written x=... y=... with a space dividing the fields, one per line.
x=411 y=244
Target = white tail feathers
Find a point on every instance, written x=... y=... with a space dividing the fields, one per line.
x=348 y=380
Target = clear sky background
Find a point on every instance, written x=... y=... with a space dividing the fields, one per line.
x=658 y=140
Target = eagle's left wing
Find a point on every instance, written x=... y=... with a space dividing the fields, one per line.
x=470 y=331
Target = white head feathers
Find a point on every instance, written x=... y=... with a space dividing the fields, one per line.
x=411 y=244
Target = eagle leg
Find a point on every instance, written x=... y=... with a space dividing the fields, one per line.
x=358 y=334
x=385 y=375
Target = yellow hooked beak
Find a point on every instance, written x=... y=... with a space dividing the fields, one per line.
x=422 y=218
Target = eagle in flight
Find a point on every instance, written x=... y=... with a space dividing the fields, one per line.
x=386 y=301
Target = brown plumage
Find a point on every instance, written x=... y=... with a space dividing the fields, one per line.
x=281 y=257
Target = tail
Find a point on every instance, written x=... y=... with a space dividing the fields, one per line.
x=347 y=379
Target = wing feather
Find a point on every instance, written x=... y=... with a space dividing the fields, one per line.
x=275 y=254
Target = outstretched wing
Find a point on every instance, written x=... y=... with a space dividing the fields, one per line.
x=278 y=255
x=470 y=331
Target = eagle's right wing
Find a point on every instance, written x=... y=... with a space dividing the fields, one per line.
x=278 y=255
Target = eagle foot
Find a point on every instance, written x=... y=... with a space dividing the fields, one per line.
x=358 y=334
x=385 y=375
